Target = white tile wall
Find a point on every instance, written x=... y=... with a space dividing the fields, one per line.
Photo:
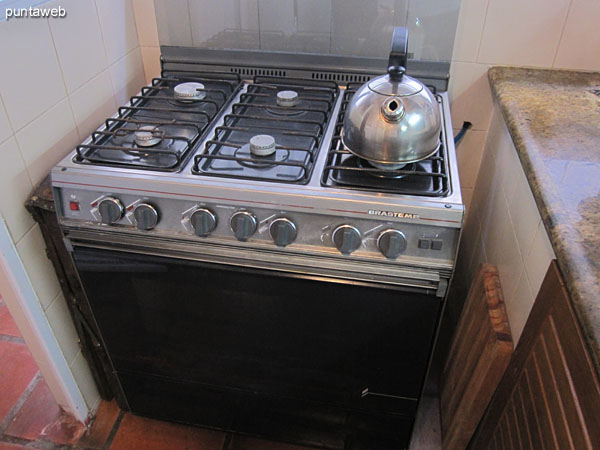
x=5 y=128
x=509 y=235
x=518 y=306
x=30 y=79
x=580 y=39
x=56 y=85
x=92 y=103
x=469 y=152
x=118 y=28
x=469 y=30
x=32 y=252
x=470 y=95
x=15 y=185
x=85 y=381
x=127 y=76
x=534 y=33
x=538 y=259
x=523 y=212
x=78 y=42
x=47 y=139
x=524 y=33
x=62 y=326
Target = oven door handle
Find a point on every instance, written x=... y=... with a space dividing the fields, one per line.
x=413 y=278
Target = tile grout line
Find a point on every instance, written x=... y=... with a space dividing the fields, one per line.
x=227 y=441
x=562 y=32
x=114 y=430
x=13 y=339
x=17 y=406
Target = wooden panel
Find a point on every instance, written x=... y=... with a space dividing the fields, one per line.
x=477 y=359
x=549 y=397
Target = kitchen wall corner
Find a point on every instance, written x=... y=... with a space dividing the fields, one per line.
x=145 y=19
x=502 y=225
x=60 y=78
x=559 y=34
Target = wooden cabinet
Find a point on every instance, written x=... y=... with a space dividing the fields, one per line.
x=549 y=397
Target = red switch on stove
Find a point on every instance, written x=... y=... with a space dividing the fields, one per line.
x=74 y=206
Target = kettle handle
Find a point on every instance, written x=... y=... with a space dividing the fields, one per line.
x=398 y=54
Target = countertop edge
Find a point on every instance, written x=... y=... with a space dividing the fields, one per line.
x=560 y=231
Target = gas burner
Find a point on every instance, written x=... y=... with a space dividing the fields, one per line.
x=287 y=98
x=384 y=171
x=262 y=145
x=263 y=137
x=428 y=177
x=148 y=136
x=159 y=127
x=189 y=92
x=288 y=104
x=246 y=158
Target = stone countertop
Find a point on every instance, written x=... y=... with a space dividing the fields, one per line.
x=554 y=120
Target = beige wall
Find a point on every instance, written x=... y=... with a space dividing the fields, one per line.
x=59 y=79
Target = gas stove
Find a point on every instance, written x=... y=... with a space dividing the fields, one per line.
x=244 y=270
x=236 y=163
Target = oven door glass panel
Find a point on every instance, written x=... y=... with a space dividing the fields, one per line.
x=259 y=331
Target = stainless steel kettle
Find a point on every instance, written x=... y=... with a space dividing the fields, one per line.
x=393 y=120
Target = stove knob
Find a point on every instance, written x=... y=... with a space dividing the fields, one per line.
x=346 y=238
x=283 y=231
x=146 y=216
x=111 y=210
x=204 y=221
x=243 y=224
x=391 y=243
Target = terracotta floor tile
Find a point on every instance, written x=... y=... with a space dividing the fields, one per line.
x=65 y=430
x=17 y=370
x=7 y=324
x=101 y=427
x=6 y=446
x=249 y=443
x=141 y=433
x=39 y=410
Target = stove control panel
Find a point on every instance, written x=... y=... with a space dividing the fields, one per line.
x=330 y=234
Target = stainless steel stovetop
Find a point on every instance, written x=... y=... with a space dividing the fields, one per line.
x=244 y=168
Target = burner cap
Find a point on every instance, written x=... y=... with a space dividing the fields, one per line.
x=287 y=98
x=385 y=166
x=189 y=91
x=148 y=135
x=262 y=145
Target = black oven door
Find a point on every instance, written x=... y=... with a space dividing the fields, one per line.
x=285 y=335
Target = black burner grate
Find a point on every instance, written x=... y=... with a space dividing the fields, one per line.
x=158 y=129
x=297 y=129
x=428 y=177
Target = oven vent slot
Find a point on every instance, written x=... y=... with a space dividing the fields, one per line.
x=253 y=72
x=343 y=77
